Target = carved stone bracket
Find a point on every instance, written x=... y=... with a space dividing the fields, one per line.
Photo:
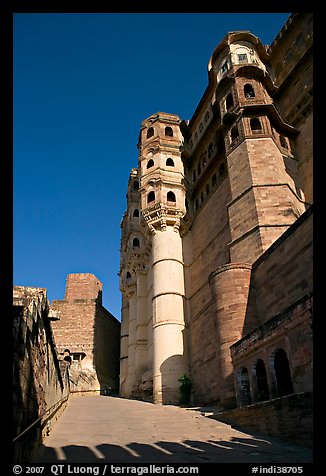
x=159 y=216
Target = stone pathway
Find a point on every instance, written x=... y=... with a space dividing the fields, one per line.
x=116 y=430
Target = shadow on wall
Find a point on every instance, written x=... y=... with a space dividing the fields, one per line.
x=234 y=450
x=171 y=370
x=25 y=401
x=106 y=349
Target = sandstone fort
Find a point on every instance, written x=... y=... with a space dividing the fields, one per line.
x=215 y=257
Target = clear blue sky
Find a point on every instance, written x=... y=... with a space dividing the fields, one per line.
x=83 y=83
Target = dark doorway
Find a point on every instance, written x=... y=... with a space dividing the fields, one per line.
x=282 y=374
x=262 y=384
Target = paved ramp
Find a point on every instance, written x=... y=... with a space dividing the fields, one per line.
x=116 y=430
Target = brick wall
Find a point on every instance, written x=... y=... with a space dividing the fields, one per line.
x=81 y=324
x=205 y=248
x=283 y=274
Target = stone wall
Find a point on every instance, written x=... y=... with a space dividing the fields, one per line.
x=289 y=418
x=281 y=302
x=40 y=382
x=284 y=273
x=82 y=326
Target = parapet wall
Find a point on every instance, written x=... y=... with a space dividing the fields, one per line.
x=40 y=382
x=289 y=418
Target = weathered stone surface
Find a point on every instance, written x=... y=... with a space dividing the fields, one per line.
x=40 y=383
x=91 y=334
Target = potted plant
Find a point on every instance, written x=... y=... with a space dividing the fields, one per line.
x=185 y=389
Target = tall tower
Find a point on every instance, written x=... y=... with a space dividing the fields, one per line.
x=266 y=192
x=152 y=270
x=163 y=206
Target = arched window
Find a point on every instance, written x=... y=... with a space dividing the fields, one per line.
x=221 y=169
x=201 y=197
x=283 y=142
x=135 y=243
x=244 y=387
x=136 y=213
x=169 y=131
x=136 y=185
x=229 y=101
x=255 y=124
x=169 y=162
x=282 y=374
x=248 y=91
x=128 y=275
x=67 y=356
x=214 y=180
x=207 y=189
x=170 y=197
x=210 y=149
x=150 y=163
x=150 y=132
x=234 y=133
x=299 y=40
x=151 y=197
x=261 y=380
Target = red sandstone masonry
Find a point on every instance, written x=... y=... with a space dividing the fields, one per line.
x=286 y=266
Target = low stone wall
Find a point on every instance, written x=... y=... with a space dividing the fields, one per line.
x=289 y=418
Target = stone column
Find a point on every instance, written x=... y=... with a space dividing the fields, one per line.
x=168 y=315
x=230 y=289
x=141 y=360
x=124 y=345
x=132 y=324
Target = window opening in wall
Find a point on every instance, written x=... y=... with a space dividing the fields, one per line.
x=234 y=133
x=214 y=180
x=128 y=275
x=255 y=124
x=169 y=131
x=169 y=162
x=150 y=163
x=151 y=197
x=249 y=91
x=170 y=197
x=283 y=142
x=288 y=56
x=199 y=168
x=150 y=132
x=224 y=67
x=229 y=101
x=210 y=149
x=242 y=58
x=299 y=42
x=201 y=197
x=194 y=176
x=135 y=243
x=207 y=189
x=261 y=379
x=282 y=374
x=136 y=213
x=136 y=185
x=221 y=169
x=244 y=387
